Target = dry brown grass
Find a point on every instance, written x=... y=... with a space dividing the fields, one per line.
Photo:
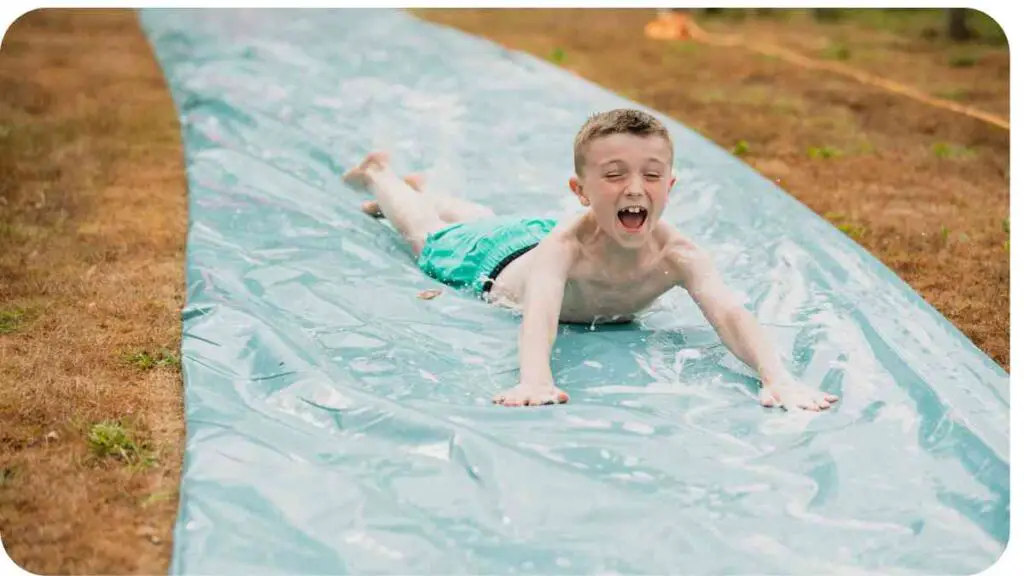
x=93 y=215
x=92 y=223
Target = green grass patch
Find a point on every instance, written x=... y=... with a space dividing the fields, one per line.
x=741 y=148
x=557 y=56
x=156 y=498
x=962 y=60
x=11 y=320
x=854 y=231
x=846 y=225
x=954 y=94
x=685 y=47
x=822 y=152
x=946 y=150
x=115 y=440
x=836 y=51
x=145 y=360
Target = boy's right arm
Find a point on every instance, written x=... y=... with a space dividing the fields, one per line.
x=542 y=306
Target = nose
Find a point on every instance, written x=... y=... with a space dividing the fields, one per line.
x=634 y=187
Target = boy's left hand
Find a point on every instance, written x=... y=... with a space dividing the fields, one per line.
x=790 y=393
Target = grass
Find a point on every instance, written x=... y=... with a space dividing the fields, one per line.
x=954 y=94
x=822 y=152
x=946 y=150
x=847 y=225
x=924 y=23
x=685 y=47
x=115 y=440
x=963 y=60
x=157 y=498
x=145 y=360
x=7 y=475
x=836 y=52
x=92 y=229
x=11 y=320
x=740 y=148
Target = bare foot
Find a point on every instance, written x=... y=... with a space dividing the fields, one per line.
x=526 y=395
x=359 y=176
x=415 y=181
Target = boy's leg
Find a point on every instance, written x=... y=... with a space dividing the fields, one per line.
x=450 y=208
x=409 y=211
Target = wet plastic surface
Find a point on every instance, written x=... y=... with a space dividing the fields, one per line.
x=338 y=423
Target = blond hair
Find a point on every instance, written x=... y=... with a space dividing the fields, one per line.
x=619 y=121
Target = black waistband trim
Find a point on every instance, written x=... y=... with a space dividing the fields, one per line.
x=504 y=264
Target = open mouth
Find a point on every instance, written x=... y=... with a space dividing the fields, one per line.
x=632 y=218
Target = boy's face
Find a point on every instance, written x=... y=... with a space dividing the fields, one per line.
x=626 y=180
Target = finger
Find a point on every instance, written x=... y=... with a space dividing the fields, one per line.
x=824 y=404
x=371 y=207
x=562 y=398
x=831 y=397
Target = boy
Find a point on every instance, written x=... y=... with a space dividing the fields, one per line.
x=606 y=264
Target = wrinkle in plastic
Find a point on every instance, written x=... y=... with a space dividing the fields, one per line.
x=337 y=423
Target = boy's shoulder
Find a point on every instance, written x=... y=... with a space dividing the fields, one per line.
x=671 y=238
x=681 y=251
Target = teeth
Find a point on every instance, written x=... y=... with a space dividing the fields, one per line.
x=634 y=209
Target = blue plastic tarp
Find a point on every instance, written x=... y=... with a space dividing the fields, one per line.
x=337 y=423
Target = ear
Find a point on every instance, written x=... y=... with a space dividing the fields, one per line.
x=672 y=182
x=577 y=189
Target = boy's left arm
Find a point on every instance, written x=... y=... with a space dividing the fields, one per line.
x=740 y=331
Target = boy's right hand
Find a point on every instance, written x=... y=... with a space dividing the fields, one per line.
x=532 y=395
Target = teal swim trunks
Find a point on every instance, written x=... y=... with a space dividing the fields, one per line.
x=471 y=254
